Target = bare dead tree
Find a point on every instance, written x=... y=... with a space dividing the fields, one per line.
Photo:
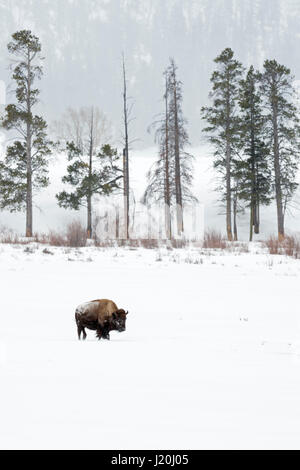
x=170 y=179
x=125 y=153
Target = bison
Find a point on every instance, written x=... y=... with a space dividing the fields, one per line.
x=101 y=315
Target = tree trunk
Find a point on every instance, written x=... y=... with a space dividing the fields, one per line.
x=28 y=154
x=253 y=195
x=126 y=156
x=256 y=221
x=228 y=164
x=126 y=198
x=89 y=198
x=89 y=217
x=251 y=222
x=280 y=213
x=228 y=193
x=179 y=211
x=117 y=223
x=29 y=184
x=168 y=228
x=254 y=188
x=235 y=217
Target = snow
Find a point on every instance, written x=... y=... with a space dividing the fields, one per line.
x=210 y=357
x=82 y=308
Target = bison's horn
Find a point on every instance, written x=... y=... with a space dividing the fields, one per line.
x=126 y=312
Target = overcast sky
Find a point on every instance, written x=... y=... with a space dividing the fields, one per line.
x=83 y=42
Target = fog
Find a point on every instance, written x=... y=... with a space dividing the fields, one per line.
x=83 y=41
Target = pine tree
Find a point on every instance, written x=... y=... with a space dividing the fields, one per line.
x=86 y=130
x=100 y=178
x=224 y=124
x=253 y=170
x=24 y=169
x=282 y=130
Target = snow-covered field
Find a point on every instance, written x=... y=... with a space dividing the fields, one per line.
x=210 y=358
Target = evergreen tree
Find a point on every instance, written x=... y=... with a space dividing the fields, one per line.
x=86 y=130
x=224 y=125
x=100 y=178
x=24 y=169
x=282 y=131
x=253 y=170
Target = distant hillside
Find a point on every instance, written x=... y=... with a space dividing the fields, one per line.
x=83 y=40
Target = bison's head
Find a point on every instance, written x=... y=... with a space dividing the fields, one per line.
x=119 y=320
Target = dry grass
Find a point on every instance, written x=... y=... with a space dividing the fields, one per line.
x=73 y=236
x=290 y=246
x=179 y=243
x=149 y=243
x=76 y=234
x=56 y=239
x=8 y=236
x=214 y=239
x=273 y=245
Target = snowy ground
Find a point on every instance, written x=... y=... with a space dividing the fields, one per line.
x=210 y=358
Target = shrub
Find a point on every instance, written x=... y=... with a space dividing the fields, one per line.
x=148 y=243
x=273 y=245
x=56 y=239
x=214 y=239
x=76 y=234
x=8 y=236
x=289 y=246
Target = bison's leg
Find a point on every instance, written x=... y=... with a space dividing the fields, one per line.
x=79 y=330
x=105 y=333
x=79 y=324
x=99 y=332
x=105 y=330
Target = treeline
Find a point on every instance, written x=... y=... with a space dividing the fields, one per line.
x=252 y=124
x=95 y=166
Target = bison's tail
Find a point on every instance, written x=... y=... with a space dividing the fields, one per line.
x=77 y=316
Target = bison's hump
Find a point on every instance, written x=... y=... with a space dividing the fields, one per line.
x=99 y=310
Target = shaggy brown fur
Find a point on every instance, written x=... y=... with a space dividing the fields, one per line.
x=101 y=315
